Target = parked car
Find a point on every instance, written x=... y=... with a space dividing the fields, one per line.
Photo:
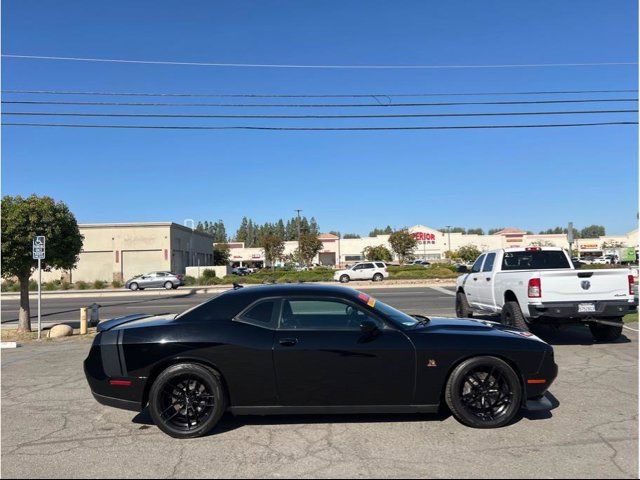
x=375 y=271
x=541 y=285
x=601 y=261
x=241 y=271
x=166 y=280
x=313 y=349
x=421 y=262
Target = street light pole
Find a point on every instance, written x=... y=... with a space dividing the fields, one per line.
x=449 y=240
x=298 y=212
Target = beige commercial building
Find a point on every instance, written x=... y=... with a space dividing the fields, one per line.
x=120 y=251
x=432 y=245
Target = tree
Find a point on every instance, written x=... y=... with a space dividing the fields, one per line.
x=593 y=231
x=221 y=254
x=273 y=246
x=494 y=230
x=454 y=230
x=380 y=253
x=348 y=236
x=467 y=253
x=475 y=231
x=25 y=218
x=402 y=243
x=336 y=233
x=381 y=231
x=308 y=248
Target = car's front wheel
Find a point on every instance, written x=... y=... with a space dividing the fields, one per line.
x=606 y=332
x=344 y=279
x=187 y=400
x=463 y=310
x=484 y=392
x=133 y=286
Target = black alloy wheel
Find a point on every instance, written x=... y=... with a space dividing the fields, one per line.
x=484 y=392
x=187 y=401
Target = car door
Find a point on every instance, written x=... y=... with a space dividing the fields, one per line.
x=367 y=271
x=484 y=287
x=357 y=272
x=146 y=280
x=322 y=357
x=471 y=284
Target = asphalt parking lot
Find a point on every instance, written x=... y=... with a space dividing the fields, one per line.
x=52 y=427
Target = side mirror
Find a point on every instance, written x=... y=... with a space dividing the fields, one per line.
x=462 y=269
x=369 y=327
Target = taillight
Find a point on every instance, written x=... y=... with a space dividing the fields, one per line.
x=631 y=282
x=120 y=383
x=535 y=288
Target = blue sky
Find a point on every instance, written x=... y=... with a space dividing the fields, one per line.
x=350 y=181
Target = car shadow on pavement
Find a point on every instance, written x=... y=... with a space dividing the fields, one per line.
x=570 y=334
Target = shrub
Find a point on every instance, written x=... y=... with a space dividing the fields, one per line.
x=189 y=280
x=99 y=284
x=208 y=277
x=81 y=285
x=64 y=285
x=53 y=285
x=33 y=285
x=8 y=285
x=117 y=284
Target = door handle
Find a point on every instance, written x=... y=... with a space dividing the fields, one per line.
x=288 y=342
x=475 y=279
x=488 y=279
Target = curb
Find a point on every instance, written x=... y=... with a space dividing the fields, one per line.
x=215 y=289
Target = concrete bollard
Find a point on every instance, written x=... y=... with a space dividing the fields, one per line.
x=83 y=320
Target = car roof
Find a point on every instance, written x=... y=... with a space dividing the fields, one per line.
x=258 y=291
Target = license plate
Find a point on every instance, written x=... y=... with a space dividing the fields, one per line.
x=586 y=307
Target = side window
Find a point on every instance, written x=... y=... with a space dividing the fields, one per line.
x=368 y=265
x=488 y=263
x=359 y=267
x=308 y=314
x=380 y=265
x=260 y=314
x=478 y=265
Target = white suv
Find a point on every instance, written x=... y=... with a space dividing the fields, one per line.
x=375 y=271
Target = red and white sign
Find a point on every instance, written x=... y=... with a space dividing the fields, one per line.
x=429 y=238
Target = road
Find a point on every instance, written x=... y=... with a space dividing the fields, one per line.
x=61 y=310
x=52 y=427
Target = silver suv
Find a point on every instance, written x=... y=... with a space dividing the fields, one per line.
x=166 y=280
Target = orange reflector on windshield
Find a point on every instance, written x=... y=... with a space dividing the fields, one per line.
x=536 y=381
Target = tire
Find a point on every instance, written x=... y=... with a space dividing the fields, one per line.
x=484 y=405
x=512 y=316
x=344 y=279
x=168 y=286
x=180 y=394
x=134 y=286
x=463 y=310
x=606 y=333
x=377 y=277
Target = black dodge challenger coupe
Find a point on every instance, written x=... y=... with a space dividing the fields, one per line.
x=298 y=349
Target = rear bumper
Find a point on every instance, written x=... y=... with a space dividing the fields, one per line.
x=117 y=403
x=569 y=310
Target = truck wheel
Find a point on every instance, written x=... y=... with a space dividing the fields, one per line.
x=606 y=333
x=513 y=317
x=463 y=310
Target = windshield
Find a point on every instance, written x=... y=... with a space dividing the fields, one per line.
x=399 y=318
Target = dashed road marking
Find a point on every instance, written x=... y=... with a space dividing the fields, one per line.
x=444 y=290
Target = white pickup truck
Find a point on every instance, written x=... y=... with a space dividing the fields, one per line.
x=539 y=284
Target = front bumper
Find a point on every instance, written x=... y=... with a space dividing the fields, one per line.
x=569 y=310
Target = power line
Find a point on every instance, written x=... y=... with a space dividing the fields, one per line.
x=399 y=115
x=314 y=105
x=352 y=67
x=247 y=127
x=275 y=95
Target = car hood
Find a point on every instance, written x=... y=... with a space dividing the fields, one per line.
x=473 y=326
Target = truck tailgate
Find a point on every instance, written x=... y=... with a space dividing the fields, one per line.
x=588 y=285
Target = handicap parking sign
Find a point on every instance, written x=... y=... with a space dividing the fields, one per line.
x=38 y=247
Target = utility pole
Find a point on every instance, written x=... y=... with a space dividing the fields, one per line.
x=449 y=240
x=298 y=212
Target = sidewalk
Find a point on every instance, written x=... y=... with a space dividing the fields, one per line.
x=204 y=289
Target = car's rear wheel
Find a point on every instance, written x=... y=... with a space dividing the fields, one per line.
x=377 y=277
x=512 y=316
x=484 y=392
x=463 y=310
x=344 y=279
x=607 y=333
x=134 y=286
x=168 y=285
x=187 y=400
